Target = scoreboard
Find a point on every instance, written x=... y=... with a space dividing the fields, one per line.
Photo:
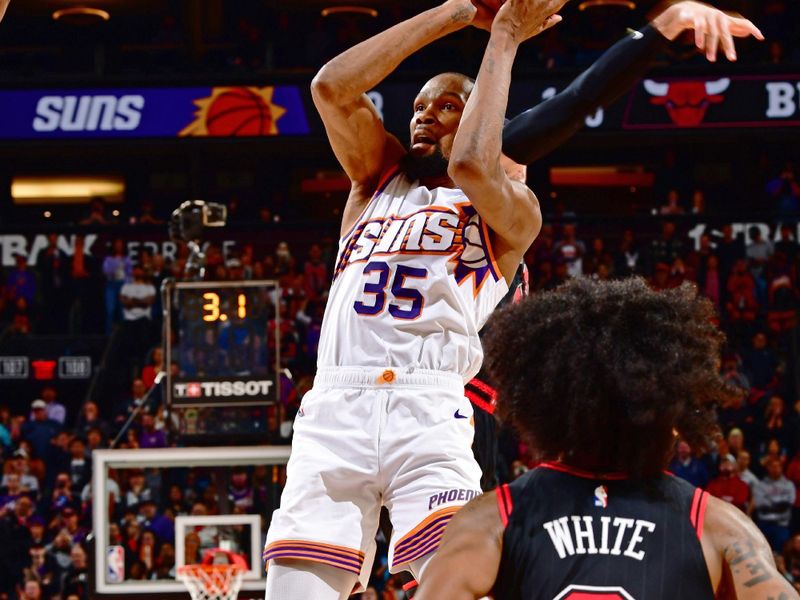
x=226 y=357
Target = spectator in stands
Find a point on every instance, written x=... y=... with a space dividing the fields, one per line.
x=20 y=465
x=760 y=363
x=90 y=419
x=87 y=291
x=793 y=475
x=154 y=368
x=758 y=252
x=137 y=298
x=710 y=280
x=666 y=248
x=97 y=213
x=627 y=260
x=774 y=424
x=10 y=492
x=21 y=281
x=69 y=519
x=785 y=190
x=80 y=469
x=571 y=251
x=75 y=580
x=137 y=397
x=316 y=274
x=5 y=440
x=687 y=467
x=149 y=436
x=742 y=306
x=63 y=496
x=58 y=458
x=136 y=491
x=43 y=568
x=55 y=279
x=31 y=590
x=730 y=249
x=673 y=205
x=15 y=543
x=39 y=430
x=117 y=268
x=781 y=296
x=698 y=202
x=729 y=487
x=745 y=474
x=54 y=409
x=773 y=498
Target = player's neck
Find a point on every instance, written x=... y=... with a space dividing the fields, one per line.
x=437 y=181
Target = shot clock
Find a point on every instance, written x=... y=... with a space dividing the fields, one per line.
x=227 y=353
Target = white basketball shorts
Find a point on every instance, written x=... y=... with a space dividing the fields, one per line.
x=366 y=438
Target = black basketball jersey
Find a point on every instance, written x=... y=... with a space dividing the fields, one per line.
x=572 y=535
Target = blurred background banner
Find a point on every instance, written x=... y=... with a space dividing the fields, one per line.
x=152 y=112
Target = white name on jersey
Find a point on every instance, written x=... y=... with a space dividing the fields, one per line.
x=580 y=537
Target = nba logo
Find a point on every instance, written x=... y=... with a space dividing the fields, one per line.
x=601 y=496
x=115 y=572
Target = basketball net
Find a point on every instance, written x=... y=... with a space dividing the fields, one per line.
x=212 y=582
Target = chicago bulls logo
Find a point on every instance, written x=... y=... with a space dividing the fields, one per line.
x=687 y=101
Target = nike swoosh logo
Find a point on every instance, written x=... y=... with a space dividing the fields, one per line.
x=637 y=35
x=458 y=415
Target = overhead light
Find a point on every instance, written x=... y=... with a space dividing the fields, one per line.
x=44 y=189
x=349 y=10
x=629 y=4
x=81 y=15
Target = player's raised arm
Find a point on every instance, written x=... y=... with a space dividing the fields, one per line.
x=359 y=140
x=509 y=208
x=541 y=129
x=473 y=537
x=731 y=541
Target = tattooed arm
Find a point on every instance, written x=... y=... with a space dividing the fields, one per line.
x=339 y=90
x=732 y=542
x=509 y=208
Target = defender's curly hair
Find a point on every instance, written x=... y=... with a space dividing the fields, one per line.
x=599 y=374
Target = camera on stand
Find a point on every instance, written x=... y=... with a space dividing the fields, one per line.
x=188 y=224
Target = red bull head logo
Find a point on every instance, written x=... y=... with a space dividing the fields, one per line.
x=687 y=101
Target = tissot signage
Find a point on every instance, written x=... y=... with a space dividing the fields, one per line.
x=228 y=391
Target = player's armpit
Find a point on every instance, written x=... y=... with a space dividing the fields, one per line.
x=466 y=564
x=736 y=540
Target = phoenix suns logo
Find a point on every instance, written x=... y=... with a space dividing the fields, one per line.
x=235 y=111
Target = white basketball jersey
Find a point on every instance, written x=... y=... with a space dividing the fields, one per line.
x=415 y=281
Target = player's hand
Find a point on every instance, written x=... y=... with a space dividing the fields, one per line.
x=713 y=29
x=524 y=19
x=3 y=7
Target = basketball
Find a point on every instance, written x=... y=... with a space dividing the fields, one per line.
x=239 y=112
x=492 y=5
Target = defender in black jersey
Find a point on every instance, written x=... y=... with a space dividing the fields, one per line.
x=600 y=378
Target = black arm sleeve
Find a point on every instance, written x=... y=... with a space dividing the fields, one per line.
x=541 y=129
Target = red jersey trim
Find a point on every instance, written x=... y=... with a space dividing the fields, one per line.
x=561 y=467
x=479 y=402
x=504 y=503
x=697 y=513
x=410 y=585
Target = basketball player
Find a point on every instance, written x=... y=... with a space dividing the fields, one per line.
x=598 y=378
x=539 y=130
x=431 y=236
